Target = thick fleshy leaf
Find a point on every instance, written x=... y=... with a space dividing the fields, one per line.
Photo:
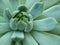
x=7 y=14
x=21 y=25
x=29 y=40
x=1 y=6
x=44 y=24
x=22 y=1
x=18 y=35
x=52 y=12
x=2 y=20
x=4 y=27
x=36 y=10
x=29 y=3
x=56 y=30
x=15 y=4
x=7 y=4
x=29 y=27
x=6 y=39
x=46 y=38
x=49 y=3
x=13 y=24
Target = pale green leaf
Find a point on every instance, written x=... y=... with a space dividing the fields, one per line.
x=4 y=27
x=22 y=1
x=46 y=39
x=36 y=10
x=56 y=30
x=7 y=14
x=17 y=35
x=14 y=4
x=13 y=24
x=7 y=4
x=2 y=20
x=29 y=27
x=21 y=25
x=46 y=24
x=52 y=12
x=29 y=3
x=29 y=40
x=49 y=3
x=6 y=39
x=1 y=6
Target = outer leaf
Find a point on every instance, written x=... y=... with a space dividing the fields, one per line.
x=6 y=39
x=29 y=3
x=36 y=10
x=29 y=40
x=15 y=4
x=1 y=6
x=46 y=38
x=4 y=27
x=56 y=30
x=49 y=3
x=52 y=12
x=22 y=1
x=2 y=20
x=7 y=4
x=44 y=24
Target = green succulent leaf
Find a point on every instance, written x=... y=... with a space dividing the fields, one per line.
x=29 y=22
x=49 y=3
x=29 y=27
x=36 y=10
x=29 y=40
x=14 y=4
x=52 y=12
x=44 y=38
x=2 y=19
x=30 y=3
x=56 y=30
x=4 y=27
x=7 y=14
x=8 y=5
x=6 y=39
x=22 y=2
x=1 y=6
x=21 y=25
x=13 y=24
x=46 y=24
x=17 y=36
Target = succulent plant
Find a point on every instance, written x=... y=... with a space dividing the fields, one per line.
x=29 y=22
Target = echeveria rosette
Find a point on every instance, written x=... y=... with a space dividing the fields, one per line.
x=24 y=22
